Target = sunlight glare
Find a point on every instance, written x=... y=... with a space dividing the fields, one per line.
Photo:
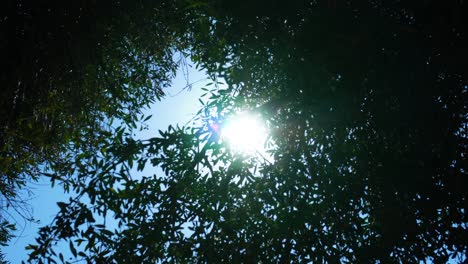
x=245 y=133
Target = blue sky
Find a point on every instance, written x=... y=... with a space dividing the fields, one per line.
x=178 y=107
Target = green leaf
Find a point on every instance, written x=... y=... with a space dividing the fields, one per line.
x=72 y=248
x=147 y=118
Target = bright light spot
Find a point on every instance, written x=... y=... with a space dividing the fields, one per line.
x=245 y=133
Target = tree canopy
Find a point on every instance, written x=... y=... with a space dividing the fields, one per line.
x=67 y=71
x=365 y=104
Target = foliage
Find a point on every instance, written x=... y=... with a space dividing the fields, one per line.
x=6 y=230
x=366 y=107
x=68 y=70
x=84 y=67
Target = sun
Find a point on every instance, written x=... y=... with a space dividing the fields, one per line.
x=245 y=133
